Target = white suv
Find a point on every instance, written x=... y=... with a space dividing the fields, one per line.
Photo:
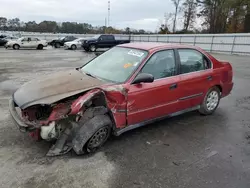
x=27 y=42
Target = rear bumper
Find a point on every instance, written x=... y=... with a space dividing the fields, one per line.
x=21 y=125
x=227 y=88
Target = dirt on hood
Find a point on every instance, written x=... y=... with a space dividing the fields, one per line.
x=52 y=88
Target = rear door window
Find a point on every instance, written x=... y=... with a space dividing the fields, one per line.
x=192 y=61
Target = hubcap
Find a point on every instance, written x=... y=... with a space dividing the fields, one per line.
x=92 y=48
x=98 y=138
x=212 y=100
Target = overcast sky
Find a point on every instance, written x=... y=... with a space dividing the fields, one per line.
x=146 y=14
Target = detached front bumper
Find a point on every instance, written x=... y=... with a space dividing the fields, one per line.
x=21 y=125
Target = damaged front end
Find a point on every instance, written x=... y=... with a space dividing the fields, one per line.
x=60 y=121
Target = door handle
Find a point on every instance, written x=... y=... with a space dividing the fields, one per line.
x=209 y=78
x=173 y=86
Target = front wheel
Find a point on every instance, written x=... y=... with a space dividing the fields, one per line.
x=92 y=48
x=73 y=47
x=210 y=102
x=98 y=139
x=40 y=47
x=16 y=47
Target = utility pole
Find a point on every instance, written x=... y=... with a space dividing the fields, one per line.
x=108 y=13
x=105 y=31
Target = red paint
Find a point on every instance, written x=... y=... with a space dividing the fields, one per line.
x=136 y=103
x=35 y=134
x=146 y=101
x=78 y=104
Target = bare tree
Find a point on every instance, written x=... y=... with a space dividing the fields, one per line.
x=177 y=8
x=189 y=9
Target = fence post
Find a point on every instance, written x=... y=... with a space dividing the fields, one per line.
x=157 y=38
x=211 y=47
x=167 y=39
x=194 y=40
x=232 y=50
x=180 y=39
x=140 y=38
x=148 y=38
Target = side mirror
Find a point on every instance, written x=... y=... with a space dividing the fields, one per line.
x=143 y=78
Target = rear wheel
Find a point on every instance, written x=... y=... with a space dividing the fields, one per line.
x=16 y=47
x=210 y=102
x=73 y=47
x=40 y=47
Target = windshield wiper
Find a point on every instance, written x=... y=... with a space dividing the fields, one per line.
x=90 y=75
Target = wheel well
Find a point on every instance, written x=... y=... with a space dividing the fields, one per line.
x=219 y=87
x=100 y=100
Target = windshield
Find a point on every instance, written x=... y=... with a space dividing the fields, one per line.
x=61 y=38
x=115 y=65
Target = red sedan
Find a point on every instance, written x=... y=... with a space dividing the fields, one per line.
x=128 y=86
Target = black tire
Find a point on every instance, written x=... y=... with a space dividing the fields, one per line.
x=86 y=49
x=16 y=46
x=73 y=47
x=92 y=48
x=211 y=101
x=40 y=47
x=57 y=45
x=94 y=130
x=100 y=136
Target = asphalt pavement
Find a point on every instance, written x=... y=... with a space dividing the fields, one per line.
x=188 y=151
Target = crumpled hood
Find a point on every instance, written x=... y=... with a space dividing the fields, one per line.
x=52 y=88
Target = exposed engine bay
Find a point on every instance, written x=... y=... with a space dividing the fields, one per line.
x=61 y=121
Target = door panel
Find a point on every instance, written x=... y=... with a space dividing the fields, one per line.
x=194 y=88
x=25 y=43
x=196 y=77
x=151 y=100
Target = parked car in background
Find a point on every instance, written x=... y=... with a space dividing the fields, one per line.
x=2 y=36
x=101 y=41
x=4 y=40
x=57 y=43
x=126 y=87
x=26 y=42
x=9 y=38
x=75 y=44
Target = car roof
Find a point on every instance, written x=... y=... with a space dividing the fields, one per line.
x=154 y=45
